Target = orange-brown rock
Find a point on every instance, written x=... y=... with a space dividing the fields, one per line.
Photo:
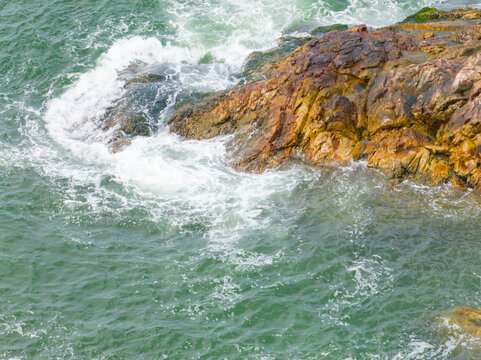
x=407 y=104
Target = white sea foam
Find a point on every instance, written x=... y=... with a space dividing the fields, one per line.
x=226 y=292
x=417 y=349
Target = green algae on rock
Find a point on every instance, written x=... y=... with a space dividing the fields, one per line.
x=325 y=29
x=431 y=14
x=421 y=16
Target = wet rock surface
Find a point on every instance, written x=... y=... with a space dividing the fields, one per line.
x=406 y=99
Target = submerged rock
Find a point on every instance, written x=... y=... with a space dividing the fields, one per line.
x=460 y=329
x=466 y=319
x=407 y=99
x=148 y=91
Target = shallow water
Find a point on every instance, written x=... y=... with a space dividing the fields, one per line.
x=160 y=251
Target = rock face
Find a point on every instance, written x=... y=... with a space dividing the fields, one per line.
x=406 y=99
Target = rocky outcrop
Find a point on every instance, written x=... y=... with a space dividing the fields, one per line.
x=406 y=99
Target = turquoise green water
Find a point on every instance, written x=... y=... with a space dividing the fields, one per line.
x=160 y=251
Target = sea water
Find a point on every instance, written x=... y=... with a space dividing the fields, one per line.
x=160 y=250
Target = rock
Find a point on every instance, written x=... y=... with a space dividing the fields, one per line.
x=426 y=35
x=466 y=319
x=406 y=99
x=461 y=329
x=407 y=104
